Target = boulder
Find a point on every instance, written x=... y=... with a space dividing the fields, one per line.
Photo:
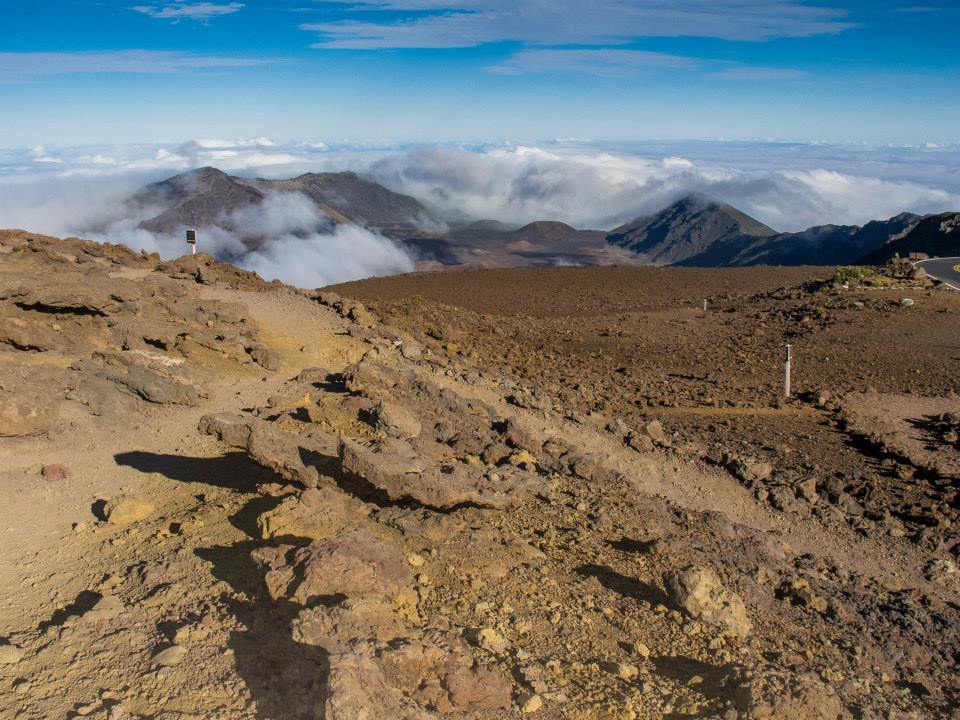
x=30 y=337
x=126 y=509
x=264 y=356
x=358 y=690
x=699 y=592
x=143 y=382
x=55 y=473
x=654 y=430
x=280 y=451
x=336 y=628
x=266 y=444
x=230 y=428
x=445 y=677
x=57 y=298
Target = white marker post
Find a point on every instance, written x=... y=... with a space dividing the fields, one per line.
x=787 y=371
x=704 y=304
x=192 y=240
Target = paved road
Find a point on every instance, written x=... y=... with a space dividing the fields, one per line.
x=946 y=270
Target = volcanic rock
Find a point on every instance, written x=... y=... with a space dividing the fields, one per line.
x=394 y=467
x=354 y=563
x=700 y=593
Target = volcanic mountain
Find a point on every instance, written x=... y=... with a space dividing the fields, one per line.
x=347 y=197
x=198 y=198
x=206 y=197
x=688 y=228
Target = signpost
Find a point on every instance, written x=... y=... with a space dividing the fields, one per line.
x=788 y=368
x=192 y=240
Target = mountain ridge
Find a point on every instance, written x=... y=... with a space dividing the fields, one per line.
x=695 y=230
x=934 y=235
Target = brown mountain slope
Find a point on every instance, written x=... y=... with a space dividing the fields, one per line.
x=687 y=228
x=360 y=201
x=936 y=236
x=195 y=199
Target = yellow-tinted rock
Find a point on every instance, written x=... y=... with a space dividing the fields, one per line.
x=125 y=509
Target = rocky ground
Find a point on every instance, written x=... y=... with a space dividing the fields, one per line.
x=562 y=494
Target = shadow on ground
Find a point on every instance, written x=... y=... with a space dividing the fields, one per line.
x=234 y=470
x=286 y=679
x=626 y=586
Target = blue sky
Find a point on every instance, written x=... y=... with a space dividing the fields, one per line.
x=106 y=71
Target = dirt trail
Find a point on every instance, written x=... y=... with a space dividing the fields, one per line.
x=56 y=558
x=91 y=452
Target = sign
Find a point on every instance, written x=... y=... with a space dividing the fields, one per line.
x=192 y=237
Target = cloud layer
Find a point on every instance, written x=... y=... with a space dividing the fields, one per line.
x=592 y=189
x=789 y=186
x=467 y=23
x=608 y=62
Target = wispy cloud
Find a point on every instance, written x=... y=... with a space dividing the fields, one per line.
x=188 y=11
x=605 y=62
x=467 y=23
x=25 y=66
x=759 y=73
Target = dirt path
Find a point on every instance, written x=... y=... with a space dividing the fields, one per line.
x=57 y=559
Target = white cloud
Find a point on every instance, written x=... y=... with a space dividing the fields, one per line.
x=286 y=238
x=790 y=186
x=22 y=66
x=215 y=143
x=294 y=241
x=590 y=188
x=467 y=23
x=607 y=62
x=188 y=11
x=345 y=253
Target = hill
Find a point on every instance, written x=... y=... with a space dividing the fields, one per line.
x=541 y=243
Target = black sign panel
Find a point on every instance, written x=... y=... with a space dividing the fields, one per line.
x=192 y=237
